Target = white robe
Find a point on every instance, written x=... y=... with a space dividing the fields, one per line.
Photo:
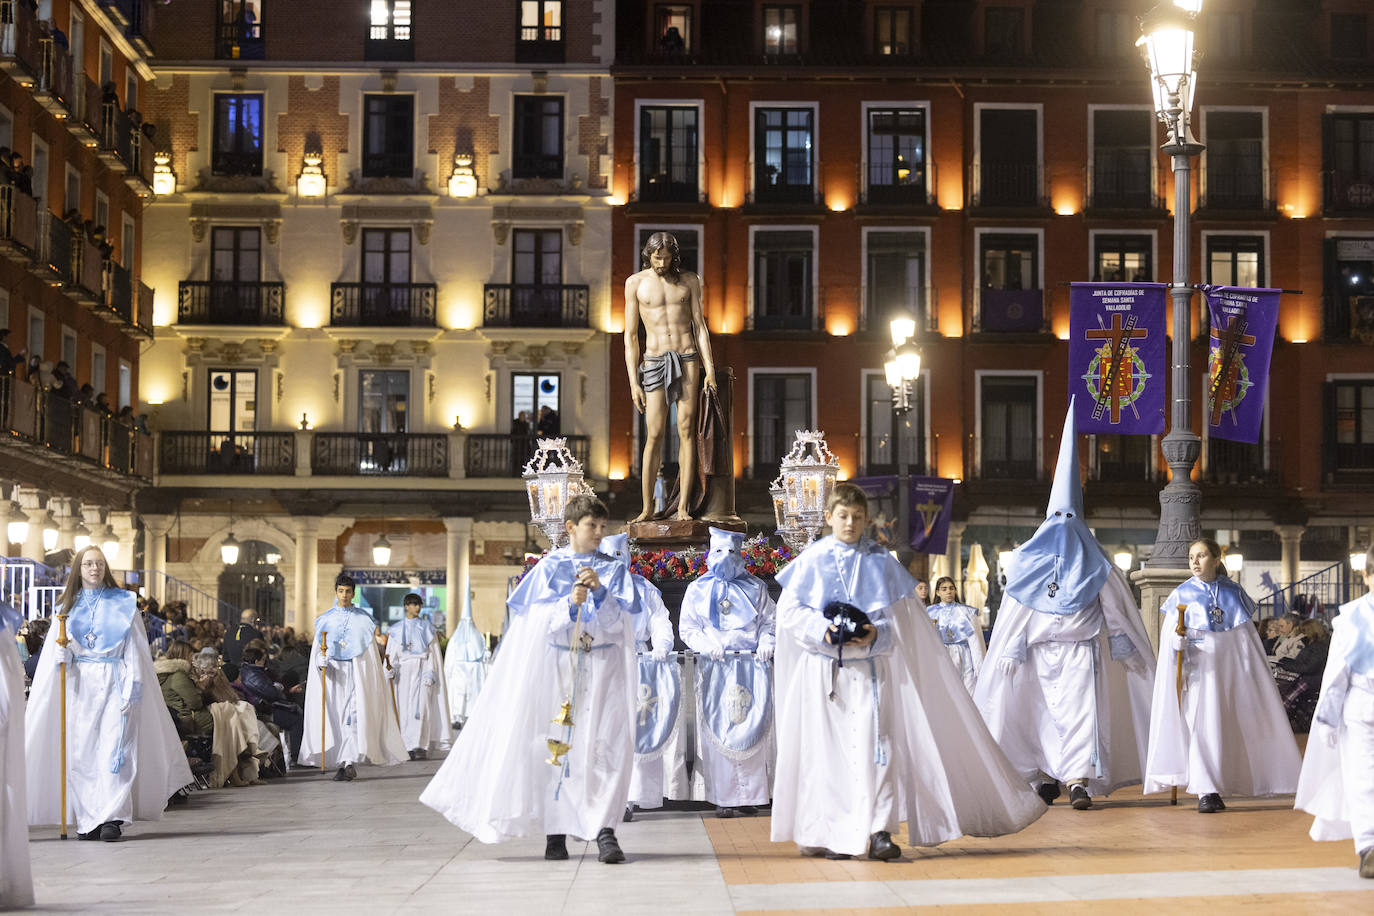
x=944 y=775
x=497 y=783
x=466 y=660
x=967 y=654
x=1038 y=714
x=423 y=709
x=662 y=775
x=155 y=767
x=1232 y=736
x=359 y=723
x=16 y=881
x=1337 y=783
x=718 y=779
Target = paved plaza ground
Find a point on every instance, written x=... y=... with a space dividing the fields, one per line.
x=309 y=845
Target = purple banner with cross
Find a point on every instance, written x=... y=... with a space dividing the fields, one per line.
x=1244 y=322
x=932 y=502
x=1118 y=361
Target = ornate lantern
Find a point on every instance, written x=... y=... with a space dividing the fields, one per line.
x=552 y=477
x=788 y=529
x=808 y=475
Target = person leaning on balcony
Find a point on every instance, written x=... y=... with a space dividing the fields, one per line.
x=8 y=360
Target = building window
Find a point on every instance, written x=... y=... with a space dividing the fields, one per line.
x=1235 y=261
x=782 y=280
x=538 y=137
x=240 y=30
x=1123 y=151
x=1226 y=34
x=896 y=277
x=1353 y=425
x=106 y=64
x=1349 y=289
x=238 y=135
x=1004 y=31
x=1008 y=158
x=535 y=405
x=389 y=32
x=782 y=405
x=783 y=141
x=388 y=136
x=540 y=39
x=72 y=198
x=128 y=243
x=688 y=246
x=1349 y=36
x=1010 y=298
x=668 y=153
x=1008 y=446
x=1122 y=459
x=386 y=272
x=673 y=28
x=886 y=429
x=102 y=213
x=537 y=278
x=892 y=31
x=69 y=348
x=897 y=155
x=98 y=381
x=780 y=25
x=1235 y=160
x=1116 y=32
x=1349 y=161
x=383 y=398
x=1122 y=259
x=37 y=324
x=233 y=405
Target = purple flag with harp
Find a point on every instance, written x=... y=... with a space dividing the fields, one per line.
x=1243 y=322
x=1117 y=357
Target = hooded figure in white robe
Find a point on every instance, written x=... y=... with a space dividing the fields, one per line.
x=466 y=659
x=16 y=881
x=359 y=723
x=1231 y=736
x=124 y=759
x=890 y=735
x=417 y=677
x=1337 y=781
x=660 y=769
x=1065 y=688
x=727 y=619
x=499 y=781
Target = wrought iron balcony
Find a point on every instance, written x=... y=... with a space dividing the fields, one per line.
x=520 y=305
x=202 y=452
x=1010 y=311
x=1006 y=185
x=1348 y=192
x=232 y=302
x=1004 y=458
x=539 y=44
x=1243 y=463
x=374 y=305
x=380 y=454
x=18 y=222
x=46 y=420
x=20 y=33
x=1122 y=183
x=498 y=455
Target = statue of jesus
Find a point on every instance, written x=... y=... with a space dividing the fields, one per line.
x=675 y=361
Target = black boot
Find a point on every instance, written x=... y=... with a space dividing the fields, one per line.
x=608 y=847
x=110 y=832
x=555 y=847
x=881 y=847
x=1079 y=798
x=1048 y=791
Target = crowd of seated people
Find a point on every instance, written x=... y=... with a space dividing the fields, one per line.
x=1296 y=648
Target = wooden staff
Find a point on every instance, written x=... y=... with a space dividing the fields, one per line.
x=394 y=710
x=324 y=707
x=1181 y=629
x=62 y=641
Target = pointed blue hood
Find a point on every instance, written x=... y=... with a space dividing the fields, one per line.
x=1062 y=568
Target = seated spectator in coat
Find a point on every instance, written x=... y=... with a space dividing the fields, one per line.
x=1289 y=642
x=270 y=697
x=242 y=635
x=1268 y=633
x=1311 y=656
x=180 y=691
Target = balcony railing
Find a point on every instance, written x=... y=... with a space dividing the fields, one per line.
x=880 y=304
x=1236 y=184
x=57 y=246
x=1006 y=184
x=89 y=269
x=240 y=41
x=119 y=290
x=380 y=454
x=20 y=33
x=678 y=187
x=18 y=220
x=55 y=83
x=50 y=421
x=374 y=305
x=1118 y=185
x=1243 y=464
x=504 y=455
x=519 y=305
x=1348 y=192
x=1005 y=458
x=232 y=302
x=882 y=462
x=539 y=44
x=201 y=452
x=1010 y=311
x=143 y=318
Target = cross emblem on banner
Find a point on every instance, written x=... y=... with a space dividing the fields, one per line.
x=930 y=514
x=1120 y=337
x=1229 y=341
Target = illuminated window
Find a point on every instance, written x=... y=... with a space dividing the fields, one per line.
x=892 y=30
x=780 y=29
x=390 y=20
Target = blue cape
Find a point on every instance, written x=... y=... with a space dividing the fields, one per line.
x=1218 y=605
x=415 y=635
x=726 y=585
x=104 y=631
x=350 y=632
x=553 y=577
x=814 y=578
x=954 y=621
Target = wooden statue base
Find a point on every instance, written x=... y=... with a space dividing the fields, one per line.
x=667 y=533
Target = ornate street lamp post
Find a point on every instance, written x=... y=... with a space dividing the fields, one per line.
x=902 y=369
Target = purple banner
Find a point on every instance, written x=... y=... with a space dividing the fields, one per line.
x=1012 y=310
x=1242 y=340
x=1118 y=360
x=932 y=501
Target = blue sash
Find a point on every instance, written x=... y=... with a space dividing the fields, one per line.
x=656 y=705
x=734 y=703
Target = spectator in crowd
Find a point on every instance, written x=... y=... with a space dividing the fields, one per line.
x=35 y=631
x=34 y=371
x=86 y=395
x=63 y=384
x=269 y=696
x=102 y=404
x=1268 y=633
x=8 y=360
x=182 y=694
x=243 y=634
x=549 y=422
x=1289 y=642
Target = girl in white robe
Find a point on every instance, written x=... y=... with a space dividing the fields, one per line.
x=417 y=676
x=1337 y=781
x=1231 y=736
x=124 y=760
x=959 y=630
x=16 y=881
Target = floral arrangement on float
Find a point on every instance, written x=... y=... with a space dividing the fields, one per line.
x=689 y=563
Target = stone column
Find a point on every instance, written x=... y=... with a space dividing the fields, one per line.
x=4 y=524
x=125 y=532
x=1290 y=537
x=304 y=605
x=155 y=530
x=1155 y=586
x=32 y=501
x=66 y=512
x=457 y=576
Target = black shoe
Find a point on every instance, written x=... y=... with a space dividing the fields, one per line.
x=629 y=813
x=421 y=754
x=1367 y=863
x=1210 y=803
x=608 y=847
x=881 y=847
x=110 y=832
x=350 y=772
x=1048 y=792
x=833 y=855
x=722 y=811
x=412 y=754
x=90 y=834
x=1079 y=798
x=341 y=776
x=747 y=810
x=555 y=847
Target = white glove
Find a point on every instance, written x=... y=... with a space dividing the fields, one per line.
x=764 y=653
x=64 y=655
x=1007 y=666
x=659 y=653
x=1176 y=642
x=1332 y=737
x=392 y=673
x=716 y=654
x=429 y=680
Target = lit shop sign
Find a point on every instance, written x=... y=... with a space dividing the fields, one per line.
x=384 y=576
